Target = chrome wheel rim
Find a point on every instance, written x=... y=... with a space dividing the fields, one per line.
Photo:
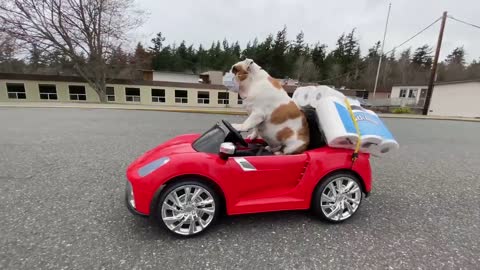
x=188 y=209
x=340 y=198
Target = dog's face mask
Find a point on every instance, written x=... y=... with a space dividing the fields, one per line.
x=238 y=74
x=230 y=82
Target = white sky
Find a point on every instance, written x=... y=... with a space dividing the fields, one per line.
x=204 y=21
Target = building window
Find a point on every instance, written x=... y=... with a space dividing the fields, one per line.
x=413 y=93
x=239 y=100
x=110 y=93
x=77 y=92
x=181 y=96
x=222 y=98
x=48 y=91
x=132 y=94
x=158 y=95
x=203 y=97
x=403 y=93
x=16 y=91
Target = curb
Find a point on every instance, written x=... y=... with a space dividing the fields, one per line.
x=421 y=117
x=212 y=111
x=113 y=107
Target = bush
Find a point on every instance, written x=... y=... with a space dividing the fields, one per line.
x=402 y=110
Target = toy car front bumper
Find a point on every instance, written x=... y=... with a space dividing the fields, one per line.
x=130 y=201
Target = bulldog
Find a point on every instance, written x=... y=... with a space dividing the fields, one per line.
x=272 y=115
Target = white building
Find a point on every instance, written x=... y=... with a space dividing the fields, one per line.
x=208 y=77
x=455 y=99
x=409 y=94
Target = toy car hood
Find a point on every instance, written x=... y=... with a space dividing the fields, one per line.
x=178 y=145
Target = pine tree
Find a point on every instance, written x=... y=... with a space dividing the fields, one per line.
x=404 y=63
x=455 y=65
x=319 y=55
x=422 y=57
x=279 y=64
x=157 y=43
x=141 y=58
x=299 y=46
x=457 y=57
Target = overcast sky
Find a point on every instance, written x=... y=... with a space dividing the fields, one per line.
x=203 y=21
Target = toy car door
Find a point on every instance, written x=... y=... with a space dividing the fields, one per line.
x=265 y=177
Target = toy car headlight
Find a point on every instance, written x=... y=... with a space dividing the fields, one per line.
x=152 y=166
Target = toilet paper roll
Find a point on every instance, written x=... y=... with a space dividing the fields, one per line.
x=369 y=142
x=336 y=123
x=384 y=148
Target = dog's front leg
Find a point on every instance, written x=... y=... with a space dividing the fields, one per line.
x=253 y=135
x=253 y=120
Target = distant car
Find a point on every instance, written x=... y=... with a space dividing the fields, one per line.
x=188 y=181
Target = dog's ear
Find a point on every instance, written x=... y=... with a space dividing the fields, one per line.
x=248 y=63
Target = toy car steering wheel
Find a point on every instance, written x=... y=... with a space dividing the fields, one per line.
x=236 y=134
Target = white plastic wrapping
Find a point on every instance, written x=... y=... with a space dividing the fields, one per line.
x=338 y=126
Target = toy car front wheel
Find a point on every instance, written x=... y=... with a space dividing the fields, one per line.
x=337 y=198
x=188 y=208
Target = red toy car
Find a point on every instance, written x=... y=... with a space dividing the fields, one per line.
x=188 y=181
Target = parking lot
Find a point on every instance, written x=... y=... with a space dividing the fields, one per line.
x=62 y=176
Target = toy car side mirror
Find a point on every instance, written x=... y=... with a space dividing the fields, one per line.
x=226 y=149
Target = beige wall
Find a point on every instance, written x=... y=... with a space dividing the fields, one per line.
x=457 y=100
x=33 y=95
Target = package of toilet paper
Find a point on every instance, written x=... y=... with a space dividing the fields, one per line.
x=338 y=126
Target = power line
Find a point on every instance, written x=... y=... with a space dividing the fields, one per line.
x=464 y=22
x=394 y=48
x=414 y=36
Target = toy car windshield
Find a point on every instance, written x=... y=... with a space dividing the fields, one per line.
x=210 y=140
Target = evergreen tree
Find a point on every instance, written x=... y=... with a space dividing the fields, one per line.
x=36 y=58
x=141 y=58
x=318 y=56
x=279 y=64
x=457 y=57
x=157 y=43
x=422 y=57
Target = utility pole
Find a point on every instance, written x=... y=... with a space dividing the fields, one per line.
x=381 y=52
x=433 y=73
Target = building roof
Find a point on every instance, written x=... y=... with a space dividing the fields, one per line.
x=168 y=72
x=439 y=83
x=59 y=78
x=409 y=84
x=457 y=82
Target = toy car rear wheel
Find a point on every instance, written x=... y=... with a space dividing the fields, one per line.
x=337 y=198
x=188 y=208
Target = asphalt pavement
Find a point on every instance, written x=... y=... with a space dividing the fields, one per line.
x=62 y=179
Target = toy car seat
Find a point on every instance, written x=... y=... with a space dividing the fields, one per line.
x=317 y=137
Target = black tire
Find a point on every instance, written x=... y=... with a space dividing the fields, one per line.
x=184 y=183
x=321 y=187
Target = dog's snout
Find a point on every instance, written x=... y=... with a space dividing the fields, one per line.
x=234 y=70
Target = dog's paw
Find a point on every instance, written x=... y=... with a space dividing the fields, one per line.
x=252 y=136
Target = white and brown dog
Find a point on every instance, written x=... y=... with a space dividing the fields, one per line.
x=272 y=114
